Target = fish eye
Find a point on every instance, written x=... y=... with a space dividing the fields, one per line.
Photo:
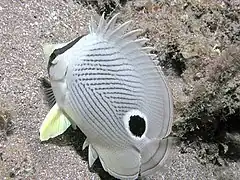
x=135 y=123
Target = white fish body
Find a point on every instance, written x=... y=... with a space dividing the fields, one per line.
x=110 y=87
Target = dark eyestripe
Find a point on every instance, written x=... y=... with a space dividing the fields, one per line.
x=59 y=51
x=114 y=130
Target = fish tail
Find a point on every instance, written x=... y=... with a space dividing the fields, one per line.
x=154 y=156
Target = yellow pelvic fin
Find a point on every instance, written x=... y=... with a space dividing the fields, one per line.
x=54 y=124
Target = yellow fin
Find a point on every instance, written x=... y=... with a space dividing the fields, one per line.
x=54 y=124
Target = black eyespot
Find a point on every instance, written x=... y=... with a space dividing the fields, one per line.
x=137 y=125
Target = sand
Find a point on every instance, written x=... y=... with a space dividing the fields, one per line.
x=24 y=27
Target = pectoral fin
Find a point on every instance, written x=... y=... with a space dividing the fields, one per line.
x=54 y=124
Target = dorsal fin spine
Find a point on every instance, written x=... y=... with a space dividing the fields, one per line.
x=110 y=24
x=101 y=24
x=132 y=34
x=119 y=30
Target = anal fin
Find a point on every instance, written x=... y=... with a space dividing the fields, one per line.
x=85 y=144
x=92 y=155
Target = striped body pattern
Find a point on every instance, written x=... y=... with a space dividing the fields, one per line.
x=108 y=85
x=109 y=88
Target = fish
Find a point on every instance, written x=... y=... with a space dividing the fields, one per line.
x=107 y=83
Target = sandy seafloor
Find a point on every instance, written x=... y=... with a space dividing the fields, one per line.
x=24 y=27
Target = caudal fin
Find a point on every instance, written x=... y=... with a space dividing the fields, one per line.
x=154 y=156
x=121 y=163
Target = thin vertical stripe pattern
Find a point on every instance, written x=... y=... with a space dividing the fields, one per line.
x=108 y=86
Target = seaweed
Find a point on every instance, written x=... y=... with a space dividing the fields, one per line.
x=213 y=114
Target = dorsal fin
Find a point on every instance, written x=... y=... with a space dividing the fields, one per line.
x=128 y=41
